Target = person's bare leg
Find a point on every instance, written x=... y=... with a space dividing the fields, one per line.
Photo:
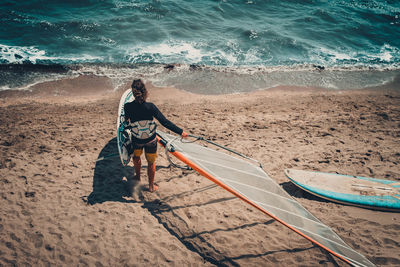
x=138 y=165
x=151 y=172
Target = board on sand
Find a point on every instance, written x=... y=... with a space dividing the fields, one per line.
x=127 y=96
x=346 y=189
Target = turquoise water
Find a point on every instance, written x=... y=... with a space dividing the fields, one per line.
x=258 y=44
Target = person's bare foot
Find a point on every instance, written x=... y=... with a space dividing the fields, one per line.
x=153 y=188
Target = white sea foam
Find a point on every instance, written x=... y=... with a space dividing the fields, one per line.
x=233 y=55
x=16 y=54
x=124 y=4
x=334 y=55
x=387 y=52
x=22 y=54
x=171 y=50
x=192 y=53
x=384 y=59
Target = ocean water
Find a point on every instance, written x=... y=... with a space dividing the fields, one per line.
x=205 y=46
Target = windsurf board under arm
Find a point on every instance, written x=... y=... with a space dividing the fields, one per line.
x=251 y=184
x=126 y=97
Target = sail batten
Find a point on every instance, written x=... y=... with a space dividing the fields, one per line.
x=230 y=168
x=251 y=184
x=259 y=189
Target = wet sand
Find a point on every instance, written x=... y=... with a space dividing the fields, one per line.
x=61 y=207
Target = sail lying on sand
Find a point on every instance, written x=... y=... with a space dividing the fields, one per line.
x=251 y=184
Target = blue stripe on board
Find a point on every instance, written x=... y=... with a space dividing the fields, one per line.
x=375 y=201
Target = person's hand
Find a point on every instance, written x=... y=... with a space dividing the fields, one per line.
x=184 y=134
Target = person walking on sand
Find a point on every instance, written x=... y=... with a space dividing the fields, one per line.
x=139 y=115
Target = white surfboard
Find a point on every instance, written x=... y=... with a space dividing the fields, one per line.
x=359 y=191
x=127 y=96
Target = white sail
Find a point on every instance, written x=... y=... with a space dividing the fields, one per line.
x=251 y=184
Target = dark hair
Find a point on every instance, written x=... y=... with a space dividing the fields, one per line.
x=139 y=86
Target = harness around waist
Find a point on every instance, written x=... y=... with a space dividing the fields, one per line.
x=143 y=129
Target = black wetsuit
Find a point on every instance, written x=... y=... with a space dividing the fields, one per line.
x=147 y=111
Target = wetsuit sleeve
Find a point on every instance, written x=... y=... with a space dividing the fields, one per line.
x=126 y=112
x=164 y=121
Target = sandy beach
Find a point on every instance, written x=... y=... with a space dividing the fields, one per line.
x=59 y=207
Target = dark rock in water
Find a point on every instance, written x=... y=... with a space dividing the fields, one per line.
x=319 y=67
x=17 y=56
x=194 y=67
x=169 y=67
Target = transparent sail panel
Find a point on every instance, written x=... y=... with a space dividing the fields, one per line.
x=254 y=184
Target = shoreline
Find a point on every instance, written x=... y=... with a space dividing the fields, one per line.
x=208 y=80
x=60 y=207
x=91 y=85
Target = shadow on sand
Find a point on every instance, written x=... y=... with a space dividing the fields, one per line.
x=111 y=180
x=296 y=192
x=114 y=182
x=198 y=242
